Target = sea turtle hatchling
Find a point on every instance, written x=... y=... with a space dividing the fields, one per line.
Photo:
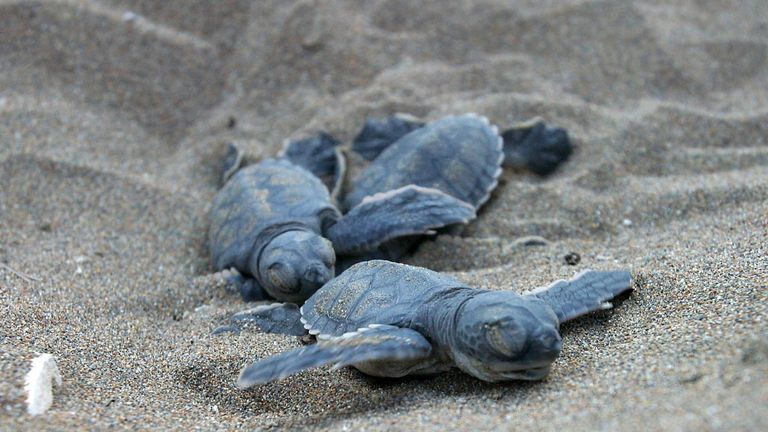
x=403 y=150
x=531 y=145
x=276 y=223
x=458 y=155
x=391 y=320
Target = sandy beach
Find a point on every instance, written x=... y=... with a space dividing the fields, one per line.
x=114 y=116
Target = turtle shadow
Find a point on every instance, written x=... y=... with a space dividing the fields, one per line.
x=306 y=395
x=408 y=393
x=317 y=399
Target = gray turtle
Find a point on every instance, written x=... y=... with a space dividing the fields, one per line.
x=403 y=150
x=391 y=320
x=458 y=155
x=530 y=145
x=276 y=223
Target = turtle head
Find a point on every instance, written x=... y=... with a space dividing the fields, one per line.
x=295 y=264
x=502 y=336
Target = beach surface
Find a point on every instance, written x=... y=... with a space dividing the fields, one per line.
x=114 y=116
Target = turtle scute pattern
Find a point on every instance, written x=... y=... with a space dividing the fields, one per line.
x=372 y=292
x=459 y=155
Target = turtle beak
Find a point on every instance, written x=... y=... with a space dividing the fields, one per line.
x=547 y=346
x=530 y=374
x=316 y=276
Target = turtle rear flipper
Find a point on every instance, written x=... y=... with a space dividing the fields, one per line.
x=376 y=135
x=320 y=155
x=535 y=146
x=231 y=163
x=405 y=211
x=284 y=318
x=372 y=343
x=588 y=291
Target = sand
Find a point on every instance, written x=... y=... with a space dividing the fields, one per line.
x=113 y=116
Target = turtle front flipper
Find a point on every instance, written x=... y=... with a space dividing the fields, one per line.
x=284 y=318
x=320 y=155
x=231 y=163
x=409 y=210
x=380 y=343
x=375 y=136
x=248 y=287
x=588 y=291
x=535 y=146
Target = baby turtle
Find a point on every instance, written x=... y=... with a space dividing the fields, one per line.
x=403 y=150
x=391 y=320
x=530 y=145
x=458 y=155
x=276 y=224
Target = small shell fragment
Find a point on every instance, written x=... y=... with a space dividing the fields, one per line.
x=38 y=384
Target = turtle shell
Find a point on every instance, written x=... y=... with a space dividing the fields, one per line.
x=258 y=203
x=372 y=292
x=459 y=155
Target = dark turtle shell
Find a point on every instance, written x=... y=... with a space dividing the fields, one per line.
x=459 y=155
x=372 y=292
x=258 y=203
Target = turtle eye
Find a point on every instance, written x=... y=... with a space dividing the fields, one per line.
x=282 y=277
x=506 y=337
x=275 y=268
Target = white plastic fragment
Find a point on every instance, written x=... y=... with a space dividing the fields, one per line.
x=38 y=383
